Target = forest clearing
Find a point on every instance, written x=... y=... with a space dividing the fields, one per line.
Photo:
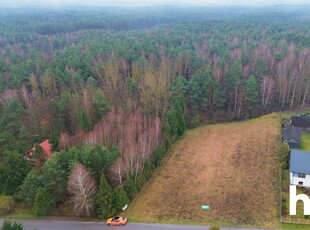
x=231 y=167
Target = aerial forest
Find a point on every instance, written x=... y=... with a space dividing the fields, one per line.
x=112 y=89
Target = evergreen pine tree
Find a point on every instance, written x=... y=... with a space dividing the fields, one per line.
x=104 y=200
x=8 y=225
x=179 y=87
x=85 y=123
x=53 y=140
x=252 y=94
x=131 y=188
x=179 y=116
x=38 y=150
x=42 y=203
x=39 y=156
x=120 y=199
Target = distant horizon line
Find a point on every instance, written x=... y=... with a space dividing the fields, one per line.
x=159 y=5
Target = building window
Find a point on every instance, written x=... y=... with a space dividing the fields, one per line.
x=301 y=175
x=300 y=183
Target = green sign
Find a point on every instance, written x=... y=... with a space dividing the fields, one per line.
x=205 y=207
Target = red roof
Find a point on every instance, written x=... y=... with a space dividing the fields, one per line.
x=46 y=146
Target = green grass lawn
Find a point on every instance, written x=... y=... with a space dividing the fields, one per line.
x=294 y=226
x=305 y=145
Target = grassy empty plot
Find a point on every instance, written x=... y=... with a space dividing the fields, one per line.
x=231 y=167
x=305 y=144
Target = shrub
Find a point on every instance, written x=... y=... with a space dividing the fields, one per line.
x=131 y=188
x=160 y=155
x=7 y=225
x=144 y=175
x=214 y=228
x=133 y=184
x=6 y=205
x=284 y=208
x=30 y=186
x=284 y=151
x=13 y=170
x=43 y=203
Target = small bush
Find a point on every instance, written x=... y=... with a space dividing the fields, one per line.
x=6 y=205
x=284 y=208
x=307 y=191
x=160 y=155
x=42 y=203
x=130 y=188
x=7 y=225
x=283 y=152
x=214 y=228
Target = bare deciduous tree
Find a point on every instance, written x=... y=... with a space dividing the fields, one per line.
x=136 y=134
x=118 y=171
x=82 y=187
x=8 y=96
x=267 y=90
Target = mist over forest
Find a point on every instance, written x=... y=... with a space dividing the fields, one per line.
x=113 y=88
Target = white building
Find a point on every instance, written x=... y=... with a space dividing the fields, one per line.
x=300 y=168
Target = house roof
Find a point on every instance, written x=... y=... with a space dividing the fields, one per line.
x=302 y=121
x=300 y=162
x=46 y=146
x=290 y=133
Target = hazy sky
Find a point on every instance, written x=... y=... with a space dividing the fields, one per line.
x=146 y=2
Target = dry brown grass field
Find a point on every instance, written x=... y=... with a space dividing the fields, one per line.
x=231 y=167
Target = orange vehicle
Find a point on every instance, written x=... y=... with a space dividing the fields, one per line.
x=117 y=220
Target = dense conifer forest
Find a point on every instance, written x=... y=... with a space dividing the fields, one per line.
x=113 y=88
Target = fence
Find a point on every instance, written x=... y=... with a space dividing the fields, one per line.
x=294 y=220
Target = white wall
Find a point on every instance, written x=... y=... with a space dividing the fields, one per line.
x=295 y=180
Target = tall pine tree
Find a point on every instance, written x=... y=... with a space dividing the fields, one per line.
x=42 y=203
x=104 y=200
x=252 y=94
x=120 y=199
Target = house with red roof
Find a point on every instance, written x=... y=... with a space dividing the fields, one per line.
x=29 y=155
